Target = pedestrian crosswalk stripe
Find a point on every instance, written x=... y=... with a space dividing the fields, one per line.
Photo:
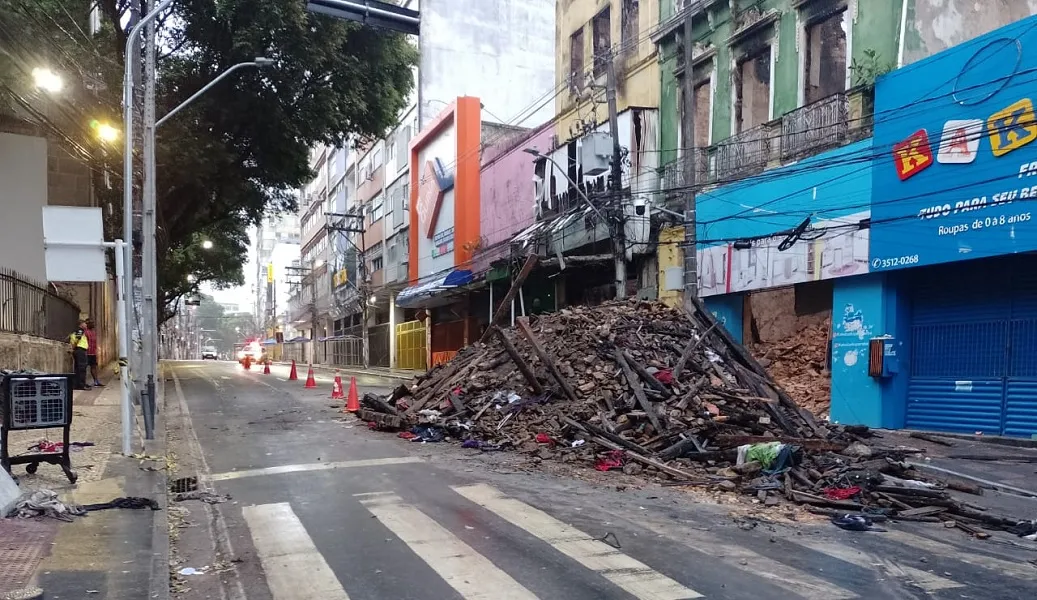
x=923 y=579
x=1020 y=570
x=321 y=466
x=468 y=572
x=633 y=576
x=295 y=569
x=805 y=585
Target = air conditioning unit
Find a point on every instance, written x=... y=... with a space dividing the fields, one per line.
x=595 y=153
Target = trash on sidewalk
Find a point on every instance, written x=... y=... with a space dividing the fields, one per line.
x=204 y=496
x=193 y=571
x=130 y=502
x=639 y=382
x=48 y=447
x=44 y=503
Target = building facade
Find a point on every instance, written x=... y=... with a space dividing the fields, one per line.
x=823 y=195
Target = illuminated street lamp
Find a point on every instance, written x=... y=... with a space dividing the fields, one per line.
x=104 y=131
x=47 y=80
x=191 y=278
x=207 y=245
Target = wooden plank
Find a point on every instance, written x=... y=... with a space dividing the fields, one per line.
x=922 y=511
x=505 y=306
x=688 y=351
x=522 y=365
x=588 y=428
x=639 y=393
x=684 y=475
x=646 y=376
x=567 y=389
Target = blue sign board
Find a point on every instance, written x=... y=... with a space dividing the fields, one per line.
x=955 y=159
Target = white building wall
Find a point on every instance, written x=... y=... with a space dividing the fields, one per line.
x=23 y=194
x=500 y=51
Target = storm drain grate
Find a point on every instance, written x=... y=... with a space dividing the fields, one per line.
x=183 y=485
x=23 y=545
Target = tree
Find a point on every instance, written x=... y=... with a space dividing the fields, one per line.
x=241 y=150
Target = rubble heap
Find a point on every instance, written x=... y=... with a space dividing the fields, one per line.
x=797 y=364
x=646 y=388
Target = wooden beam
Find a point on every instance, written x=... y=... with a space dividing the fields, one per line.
x=639 y=392
x=552 y=368
x=646 y=376
x=522 y=365
x=679 y=474
x=527 y=268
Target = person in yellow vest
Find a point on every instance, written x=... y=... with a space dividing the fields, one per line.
x=80 y=345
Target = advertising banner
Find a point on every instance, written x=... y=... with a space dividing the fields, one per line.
x=955 y=155
x=745 y=229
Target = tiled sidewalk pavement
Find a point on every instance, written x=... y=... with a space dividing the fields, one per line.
x=107 y=554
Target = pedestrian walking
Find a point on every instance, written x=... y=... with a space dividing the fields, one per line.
x=79 y=343
x=91 y=351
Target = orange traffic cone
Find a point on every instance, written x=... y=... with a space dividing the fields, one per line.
x=266 y=368
x=294 y=375
x=310 y=381
x=336 y=388
x=248 y=363
x=353 y=403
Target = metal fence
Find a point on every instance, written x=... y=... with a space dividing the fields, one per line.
x=27 y=307
x=345 y=352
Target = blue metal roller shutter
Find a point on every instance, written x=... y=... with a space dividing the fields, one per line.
x=973 y=356
x=1020 y=417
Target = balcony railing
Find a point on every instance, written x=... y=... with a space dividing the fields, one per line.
x=814 y=127
x=675 y=173
x=741 y=155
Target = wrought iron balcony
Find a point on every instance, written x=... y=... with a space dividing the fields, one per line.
x=741 y=155
x=674 y=178
x=818 y=126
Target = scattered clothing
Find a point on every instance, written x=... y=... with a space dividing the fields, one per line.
x=854 y=523
x=130 y=502
x=834 y=493
x=543 y=438
x=612 y=460
x=44 y=503
x=665 y=377
x=48 y=447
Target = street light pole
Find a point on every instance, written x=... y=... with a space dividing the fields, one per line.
x=130 y=61
x=149 y=265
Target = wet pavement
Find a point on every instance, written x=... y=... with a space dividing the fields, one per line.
x=324 y=508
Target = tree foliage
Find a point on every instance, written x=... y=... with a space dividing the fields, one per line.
x=242 y=149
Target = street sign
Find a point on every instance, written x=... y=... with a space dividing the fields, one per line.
x=73 y=239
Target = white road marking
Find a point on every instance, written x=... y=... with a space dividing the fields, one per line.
x=923 y=579
x=1020 y=570
x=777 y=573
x=467 y=571
x=638 y=579
x=362 y=494
x=224 y=377
x=294 y=568
x=321 y=466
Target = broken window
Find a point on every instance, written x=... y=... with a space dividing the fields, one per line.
x=576 y=58
x=825 y=57
x=601 y=27
x=629 y=24
x=753 y=89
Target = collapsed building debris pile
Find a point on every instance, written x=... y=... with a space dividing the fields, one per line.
x=648 y=389
x=798 y=364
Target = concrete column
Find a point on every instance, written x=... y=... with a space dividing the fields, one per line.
x=392 y=331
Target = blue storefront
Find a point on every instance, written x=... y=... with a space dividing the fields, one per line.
x=952 y=282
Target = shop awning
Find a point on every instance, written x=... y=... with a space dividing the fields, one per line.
x=426 y=294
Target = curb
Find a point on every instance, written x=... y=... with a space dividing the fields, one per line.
x=1007 y=489
x=33 y=593
x=994 y=439
x=158 y=582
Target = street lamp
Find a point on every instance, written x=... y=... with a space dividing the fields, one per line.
x=47 y=80
x=207 y=245
x=258 y=62
x=104 y=131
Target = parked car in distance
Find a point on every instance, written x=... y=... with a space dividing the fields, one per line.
x=210 y=353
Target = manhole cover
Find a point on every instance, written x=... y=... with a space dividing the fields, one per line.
x=23 y=545
x=183 y=485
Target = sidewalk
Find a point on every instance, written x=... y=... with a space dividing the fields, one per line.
x=402 y=374
x=108 y=554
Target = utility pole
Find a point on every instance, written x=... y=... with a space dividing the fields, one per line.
x=149 y=283
x=691 y=268
x=617 y=226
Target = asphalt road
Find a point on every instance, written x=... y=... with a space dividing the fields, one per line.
x=325 y=509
